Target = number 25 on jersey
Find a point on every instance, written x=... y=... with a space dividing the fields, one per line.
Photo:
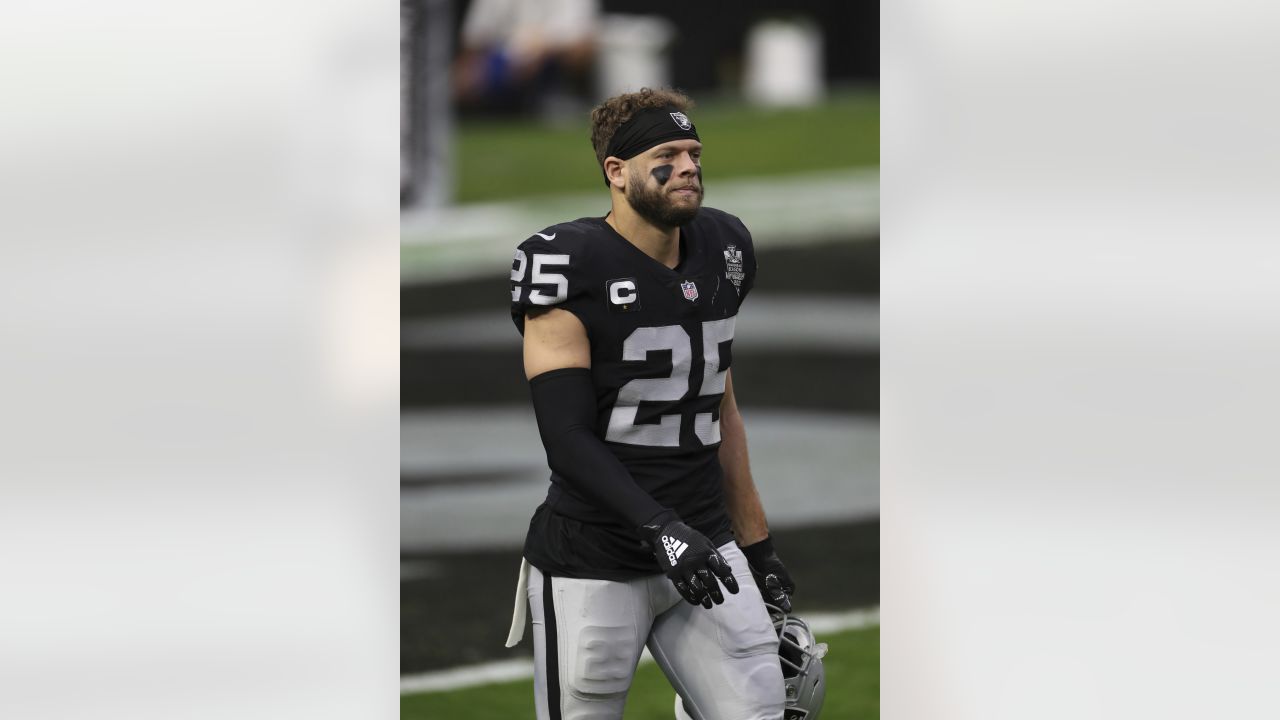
x=636 y=348
x=666 y=432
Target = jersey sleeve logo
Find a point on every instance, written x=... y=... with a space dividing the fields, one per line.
x=733 y=266
x=552 y=236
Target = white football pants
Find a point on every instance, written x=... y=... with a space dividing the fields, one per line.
x=588 y=635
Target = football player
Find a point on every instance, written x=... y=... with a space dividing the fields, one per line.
x=652 y=532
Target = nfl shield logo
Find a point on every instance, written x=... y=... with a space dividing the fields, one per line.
x=681 y=119
x=690 y=290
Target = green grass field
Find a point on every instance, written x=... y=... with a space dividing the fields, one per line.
x=511 y=159
x=853 y=689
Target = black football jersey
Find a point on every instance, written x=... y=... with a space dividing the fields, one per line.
x=661 y=342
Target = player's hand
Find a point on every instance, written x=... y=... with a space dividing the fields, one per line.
x=689 y=560
x=771 y=576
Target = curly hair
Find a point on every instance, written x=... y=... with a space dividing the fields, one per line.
x=611 y=114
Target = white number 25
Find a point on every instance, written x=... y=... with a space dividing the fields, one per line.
x=540 y=277
x=666 y=433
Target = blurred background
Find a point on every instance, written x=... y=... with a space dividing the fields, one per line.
x=201 y=266
x=495 y=145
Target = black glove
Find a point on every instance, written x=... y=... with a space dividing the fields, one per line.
x=688 y=559
x=771 y=577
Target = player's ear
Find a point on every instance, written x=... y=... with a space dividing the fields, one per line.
x=615 y=171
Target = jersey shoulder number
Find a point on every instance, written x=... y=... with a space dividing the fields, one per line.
x=549 y=269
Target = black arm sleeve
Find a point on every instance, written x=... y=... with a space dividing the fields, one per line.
x=565 y=403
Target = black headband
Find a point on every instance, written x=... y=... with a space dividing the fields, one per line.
x=647 y=128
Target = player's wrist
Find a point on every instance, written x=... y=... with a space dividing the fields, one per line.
x=758 y=553
x=653 y=526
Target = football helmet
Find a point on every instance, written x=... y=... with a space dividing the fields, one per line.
x=800 y=655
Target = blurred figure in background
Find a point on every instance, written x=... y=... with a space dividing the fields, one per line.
x=527 y=57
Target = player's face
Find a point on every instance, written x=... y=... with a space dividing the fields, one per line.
x=665 y=183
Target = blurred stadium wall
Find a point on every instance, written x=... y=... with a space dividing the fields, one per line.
x=804 y=176
x=704 y=50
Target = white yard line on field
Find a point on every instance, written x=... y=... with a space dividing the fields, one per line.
x=468 y=676
x=521 y=669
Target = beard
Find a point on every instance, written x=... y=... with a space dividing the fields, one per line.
x=656 y=205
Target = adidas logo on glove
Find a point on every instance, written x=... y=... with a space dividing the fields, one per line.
x=675 y=548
